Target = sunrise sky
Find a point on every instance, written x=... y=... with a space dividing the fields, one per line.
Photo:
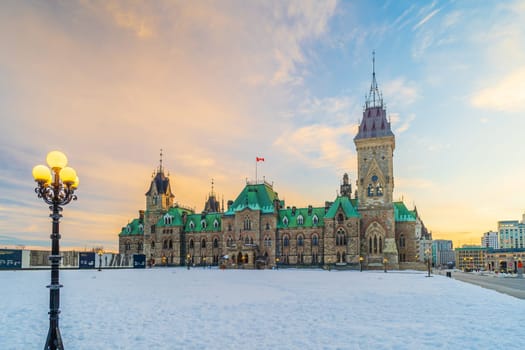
x=217 y=83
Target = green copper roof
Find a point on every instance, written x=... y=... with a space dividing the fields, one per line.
x=175 y=213
x=291 y=218
x=402 y=213
x=255 y=197
x=203 y=223
x=134 y=228
x=344 y=203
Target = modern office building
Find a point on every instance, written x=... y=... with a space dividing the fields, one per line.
x=511 y=233
x=490 y=240
x=443 y=253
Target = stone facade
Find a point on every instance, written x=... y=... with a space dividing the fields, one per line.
x=258 y=230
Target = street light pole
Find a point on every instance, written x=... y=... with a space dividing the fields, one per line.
x=100 y=252
x=56 y=187
x=428 y=252
x=361 y=263
x=385 y=261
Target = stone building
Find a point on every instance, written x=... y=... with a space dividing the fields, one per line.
x=257 y=229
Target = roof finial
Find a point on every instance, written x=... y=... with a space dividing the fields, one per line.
x=160 y=166
x=374 y=98
x=212 y=187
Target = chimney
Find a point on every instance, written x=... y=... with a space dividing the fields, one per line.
x=141 y=215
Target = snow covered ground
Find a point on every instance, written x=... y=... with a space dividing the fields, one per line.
x=173 y=308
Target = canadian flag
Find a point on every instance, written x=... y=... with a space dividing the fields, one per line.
x=259 y=159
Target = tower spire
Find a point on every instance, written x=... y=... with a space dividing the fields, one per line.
x=374 y=98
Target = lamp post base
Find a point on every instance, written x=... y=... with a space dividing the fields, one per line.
x=54 y=340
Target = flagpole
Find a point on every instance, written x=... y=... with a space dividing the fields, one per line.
x=256 y=161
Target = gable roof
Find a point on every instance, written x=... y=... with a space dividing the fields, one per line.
x=134 y=228
x=346 y=204
x=199 y=219
x=402 y=213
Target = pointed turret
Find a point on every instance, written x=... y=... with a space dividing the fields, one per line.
x=212 y=205
x=374 y=122
x=159 y=194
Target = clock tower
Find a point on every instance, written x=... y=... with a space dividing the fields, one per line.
x=375 y=143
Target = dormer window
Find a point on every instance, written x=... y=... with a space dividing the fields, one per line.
x=128 y=229
x=203 y=223
x=300 y=220
x=216 y=224
x=315 y=220
x=168 y=219
x=285 y=221
x=141 y=228
x=191 y=225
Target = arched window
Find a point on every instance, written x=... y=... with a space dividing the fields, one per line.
x=380 y=245
x=340 y=218
x=315 y=220
x=168 y=219
x=229 y=227
x=267 y=226
x=300 y=241
x=338 y=257
x=285 y=221
x=139 y=247
x=375 y=244
x=402 y=241
x=315 y=240
x=165 y=244
x=191 y=244
x=203 y=223
x=300 y=220
x=247 y=240
x=216 y=224
x=247 y=223
x=340 y=238
x=203 y=243
x=152 y=244
x=215 y=243
x=286 y=241
x=191 y=225
x=170 y=244
x=128 y=229
x=370 y=245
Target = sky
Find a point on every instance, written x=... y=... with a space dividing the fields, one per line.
x=268 y=309
x=216 y=83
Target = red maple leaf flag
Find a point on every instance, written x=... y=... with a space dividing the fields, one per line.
x=259 y=159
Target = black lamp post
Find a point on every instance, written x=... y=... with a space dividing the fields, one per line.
x=100 y=252
x=361 y=263
x=385 y=261
x=56 y=186
x=277 y=263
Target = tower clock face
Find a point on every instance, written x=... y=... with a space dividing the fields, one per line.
x=374 y=178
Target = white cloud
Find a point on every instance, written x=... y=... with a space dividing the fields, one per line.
x=320 y=145
x=505 y=95
x=404 y=124
x=400 y=92
x=426 y=19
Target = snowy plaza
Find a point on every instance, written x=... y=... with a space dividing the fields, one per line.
x=175 y=308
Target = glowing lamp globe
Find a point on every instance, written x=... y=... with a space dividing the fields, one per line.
x=56 y=160
x=41 y=173
x=68 y=175
x=75 y=184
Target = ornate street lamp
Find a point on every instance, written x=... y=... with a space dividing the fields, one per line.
x=277 y=263
x=100 y=253
x=56 y=186
x=188 y=260
x=361 y=263
x=385 y=261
